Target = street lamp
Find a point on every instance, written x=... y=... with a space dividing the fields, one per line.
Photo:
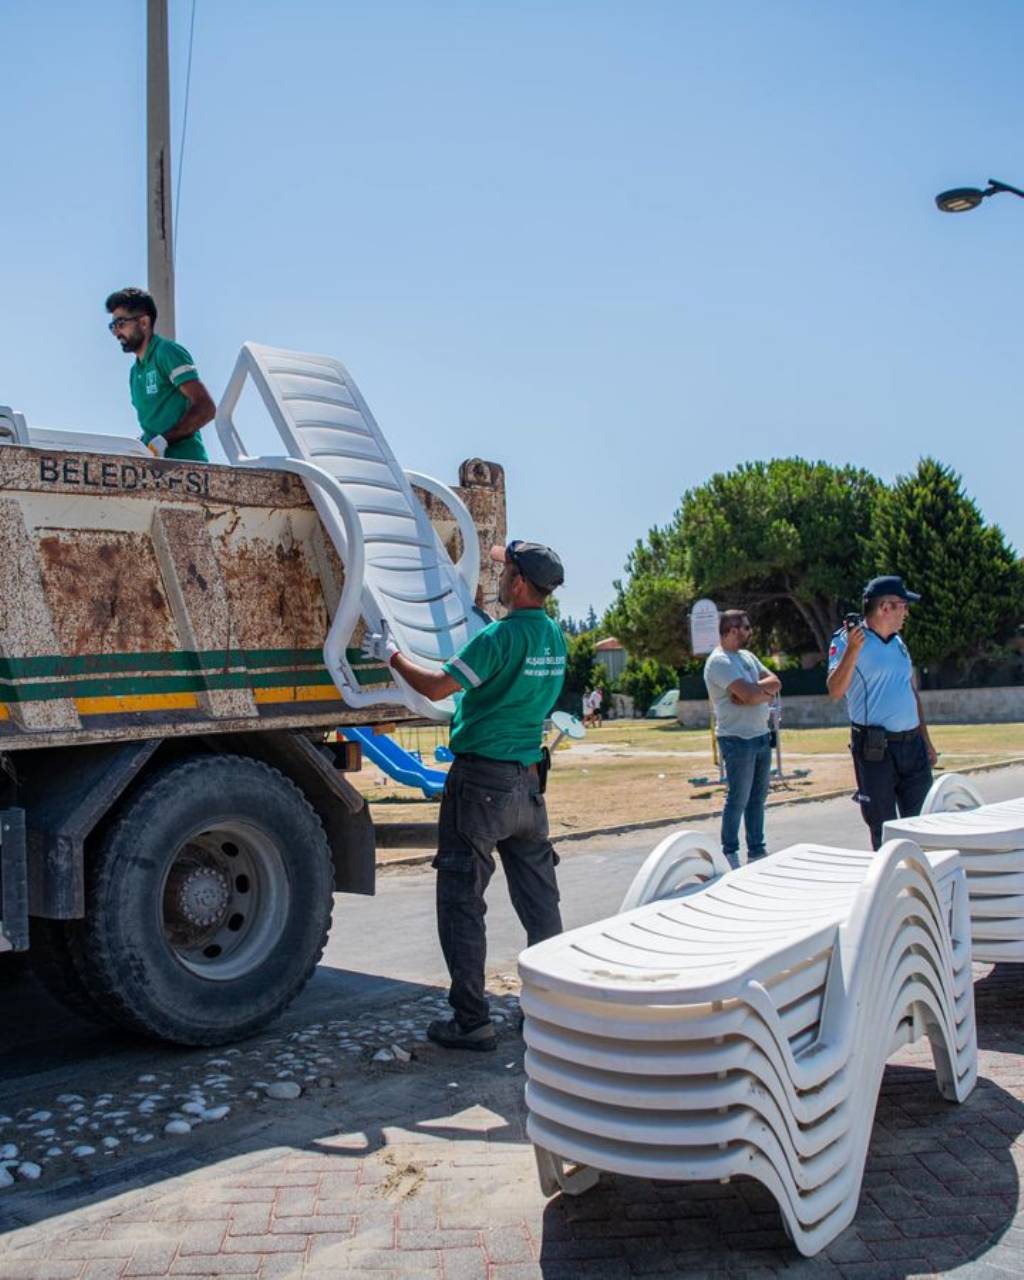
x=963 y=199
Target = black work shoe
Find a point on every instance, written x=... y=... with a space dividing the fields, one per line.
x=450 y=1035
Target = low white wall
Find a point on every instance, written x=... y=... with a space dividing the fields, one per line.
x=941 y=706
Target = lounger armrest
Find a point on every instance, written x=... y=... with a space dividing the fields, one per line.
x=230 y=440
x=13 y=429
x=683 y=860
x=468 y=564
x=952 y=793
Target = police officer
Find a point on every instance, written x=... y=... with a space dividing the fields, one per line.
x=870 y=665
x=510 y=675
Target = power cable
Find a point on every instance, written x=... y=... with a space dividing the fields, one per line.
x=184 y=130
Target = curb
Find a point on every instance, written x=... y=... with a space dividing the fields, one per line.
x=420 y=859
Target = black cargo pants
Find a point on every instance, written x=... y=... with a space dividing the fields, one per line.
x=490 y=804
x=899 y=782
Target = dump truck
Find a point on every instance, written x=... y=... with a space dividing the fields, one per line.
x=175 y=805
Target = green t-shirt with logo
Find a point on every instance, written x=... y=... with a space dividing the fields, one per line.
x=154 y=381
x=512 y=673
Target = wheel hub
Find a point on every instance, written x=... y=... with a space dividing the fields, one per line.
x=199 y=895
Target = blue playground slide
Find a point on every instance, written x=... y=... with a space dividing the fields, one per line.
x=396 y=762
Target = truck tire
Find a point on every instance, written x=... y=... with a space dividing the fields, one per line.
x=53 y=967
x=13 y=967
x=208 y=902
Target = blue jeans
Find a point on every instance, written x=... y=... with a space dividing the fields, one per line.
x=748 y=764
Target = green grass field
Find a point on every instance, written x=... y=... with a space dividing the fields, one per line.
x=988 y=741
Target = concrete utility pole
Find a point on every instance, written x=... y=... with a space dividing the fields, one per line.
x=158 y=166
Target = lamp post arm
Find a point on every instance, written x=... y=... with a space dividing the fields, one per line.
x=995 y=186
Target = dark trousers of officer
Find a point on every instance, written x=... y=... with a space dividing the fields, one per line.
x=490 y=804
x=895 y=785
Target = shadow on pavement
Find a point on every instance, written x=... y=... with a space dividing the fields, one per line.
x=359 y=1110
x=940 y=1183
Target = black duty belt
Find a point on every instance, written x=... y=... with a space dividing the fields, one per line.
x=489 y=760
x=904 y=735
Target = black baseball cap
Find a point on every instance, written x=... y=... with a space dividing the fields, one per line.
x=537 y=563
x=890 y=585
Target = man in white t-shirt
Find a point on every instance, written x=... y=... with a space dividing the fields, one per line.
x=741 y=689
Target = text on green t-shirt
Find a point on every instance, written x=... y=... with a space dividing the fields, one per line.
x=154 y=381
x=512 y=673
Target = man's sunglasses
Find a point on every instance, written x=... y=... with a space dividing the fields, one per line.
x=121 y=321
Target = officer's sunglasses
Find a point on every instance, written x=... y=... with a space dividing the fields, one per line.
x=121 y=321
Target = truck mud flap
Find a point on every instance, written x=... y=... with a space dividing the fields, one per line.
x=13 y=881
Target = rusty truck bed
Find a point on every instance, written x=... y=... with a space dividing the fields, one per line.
x=141 y=598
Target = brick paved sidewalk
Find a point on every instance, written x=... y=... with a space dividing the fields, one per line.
x=424 y=1171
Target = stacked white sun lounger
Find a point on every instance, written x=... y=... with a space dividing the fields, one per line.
x=743 y=1027
x=990 y=838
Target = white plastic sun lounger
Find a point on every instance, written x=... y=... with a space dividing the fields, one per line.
x=990 y=838
x=396 y=570
x=15 y=430
x=743 y=1028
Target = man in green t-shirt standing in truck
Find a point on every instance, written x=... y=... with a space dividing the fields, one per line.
x=510 y=675
x=171 y=403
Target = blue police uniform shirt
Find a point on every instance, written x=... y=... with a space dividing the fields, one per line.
x=881 y=691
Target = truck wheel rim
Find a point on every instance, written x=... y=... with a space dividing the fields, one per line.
x=225 y=901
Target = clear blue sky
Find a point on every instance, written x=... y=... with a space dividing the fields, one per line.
x=615 y=246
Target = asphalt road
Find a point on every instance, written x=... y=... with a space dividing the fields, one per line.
x=380 y=947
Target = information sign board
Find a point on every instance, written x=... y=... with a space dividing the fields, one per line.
x=703 y=627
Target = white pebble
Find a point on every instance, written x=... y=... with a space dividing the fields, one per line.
x=111 y=1143
x=6 y=1119
x=401 y=1054
x=143 y=1137
x=194 y=1108
x=83 y=1151
x=383 y=1055
x=29 y=1170
x=76 y=1107
x=147 y=1080
x=283 y=1090
x=9 y=1151
x=5 y=1178
x=46 y=1133
x=215 y=1113
x=65 y=1098
x=51 y=1152
x=40 y=1117
x=177 y=1127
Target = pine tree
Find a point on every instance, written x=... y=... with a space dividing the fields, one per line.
x=927 y=530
